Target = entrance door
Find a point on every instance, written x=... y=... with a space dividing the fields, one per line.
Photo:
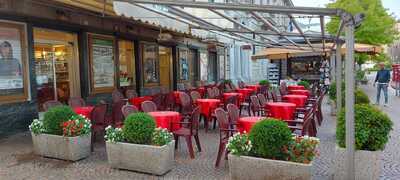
x=57 y=65
x=165 y=67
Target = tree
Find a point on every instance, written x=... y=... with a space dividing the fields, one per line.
x=378 y=27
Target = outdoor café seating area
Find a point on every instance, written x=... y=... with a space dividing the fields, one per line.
x=222 y=107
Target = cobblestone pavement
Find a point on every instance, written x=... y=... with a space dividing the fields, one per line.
x=18 y=162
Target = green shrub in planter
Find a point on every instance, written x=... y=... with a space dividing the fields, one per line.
x=306 y=84
x=269 y=138
x=55 y=117
x=263 y=82
x=139 y=128
x=372 y=128
x=361 y=97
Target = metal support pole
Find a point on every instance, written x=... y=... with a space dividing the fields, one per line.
x=349 y=76
x=333 y=66
x=338 y=77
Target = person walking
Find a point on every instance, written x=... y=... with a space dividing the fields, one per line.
x=382 y=80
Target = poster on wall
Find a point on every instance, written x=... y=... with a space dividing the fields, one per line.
x=183 y=65
x=203 y=66
x=103 y=63
x=150 y=64
x=11 y=54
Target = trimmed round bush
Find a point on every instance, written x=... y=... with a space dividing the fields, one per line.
x=372 y=128
x=55 y=117
x=306 y=84
x=361 y=97
x=270 y=138
x=138 y=128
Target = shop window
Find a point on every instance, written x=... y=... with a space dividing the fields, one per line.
x=13 y=66
x=102 y=64
x=150 y=64
x=126 y=64
x=304 y=68
x=183 y=65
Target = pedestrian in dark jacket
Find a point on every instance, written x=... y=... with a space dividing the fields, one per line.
x=382 y=80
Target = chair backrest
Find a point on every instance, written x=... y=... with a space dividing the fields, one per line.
x=231 y=100
x=195 y=95
x=158 y=99
x=186 y=103
x=228 y=87
x=52 y=103
x=241 y=84
x=233 y=112
x=130 y=93
x=264 y=89
x=117 y=96
x=222 y=118
x=274 y=96
x=76 y=102
x=170 y=101
x=309 y=124
x=117 y=115
x=129 y=109
x=195 y=121
x=148 y=106
x=255 y=103
x=262 y=98
x=217 y=92
x=210 y=93
x=98 y=115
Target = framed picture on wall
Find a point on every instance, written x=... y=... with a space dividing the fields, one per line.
x=183 y=65
x=13 y=57
x=150 y=64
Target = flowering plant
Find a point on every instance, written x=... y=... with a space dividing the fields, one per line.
x=113 y=134
x=161 y=137
x=36 y=127
x=76 y=126
x=239 y=144
x=303 y=149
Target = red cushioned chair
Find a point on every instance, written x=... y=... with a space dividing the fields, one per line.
x=188 y=130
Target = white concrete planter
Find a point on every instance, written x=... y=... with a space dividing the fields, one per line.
x=150 y=159
x=333 y=107
x=246 y=167
x=60 y=147
x=367 y=164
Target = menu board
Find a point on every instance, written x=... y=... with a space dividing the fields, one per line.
x=11 y=54
x=103 y=63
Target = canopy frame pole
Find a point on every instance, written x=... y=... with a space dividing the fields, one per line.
x=350 y=85
x=333 y=66
x=338 y=78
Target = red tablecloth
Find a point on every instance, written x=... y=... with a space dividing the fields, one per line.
x=137 y=101
x=300 y=92
x=299 y=100
x=240 y=97
x=255 y=87
x=202 y=91
x=207 y=106
x=245 y=91
x=246 y=123
x=164 y=119
x=281 y=110
x=296 y=87
x=84 y=111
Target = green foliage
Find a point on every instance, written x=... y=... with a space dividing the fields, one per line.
x=239 y=144
x=113 y=135
x=263 y=82
x=161 y=137
x=303 y=149
x=36 y=126
x=332 y=90
x=361 y=58
x=270 y=138
x=378 y=26
x=372 y=128
x=139 y=128
x=304 y=83
x=360 y=75
x=55 y=117
x=359 y=95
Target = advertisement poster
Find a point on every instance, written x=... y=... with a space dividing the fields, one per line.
x=103 y=63
x=11 y=73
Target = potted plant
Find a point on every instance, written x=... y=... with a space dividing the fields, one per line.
x=263 y=82
x=306 y=84
x=372 y=131
x=140 y=146
x=270 y=151
x=62 y=134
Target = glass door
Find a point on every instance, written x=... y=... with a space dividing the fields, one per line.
x=54 y=62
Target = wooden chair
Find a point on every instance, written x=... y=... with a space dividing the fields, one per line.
x=98 y=120
x=188 y=130
x=170 y=102
x=52 y=103
x=116 y=113
x=233 y=112
x=210 y=93
x=225 y=131
x=263 y=99
x=148 y=106
x=256 y=107
x=195 y=95
x=117 y=96
x=76 y=102
x=305 y=125
x=129 y=109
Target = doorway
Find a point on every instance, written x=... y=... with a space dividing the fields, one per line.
x=57 y=65
x=165 y=67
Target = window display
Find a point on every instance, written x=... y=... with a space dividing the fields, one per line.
x=102 y=62
x=126 y=63
x=183 y=65
x=12 y=61
x=150 y=64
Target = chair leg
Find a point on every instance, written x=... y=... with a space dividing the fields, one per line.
x=196 y=138
x=221 y=150
x=176 y=141
x=190 y=146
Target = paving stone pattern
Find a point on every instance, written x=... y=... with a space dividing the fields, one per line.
x=18 y=162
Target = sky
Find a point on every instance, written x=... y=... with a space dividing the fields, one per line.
x=393 y=6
